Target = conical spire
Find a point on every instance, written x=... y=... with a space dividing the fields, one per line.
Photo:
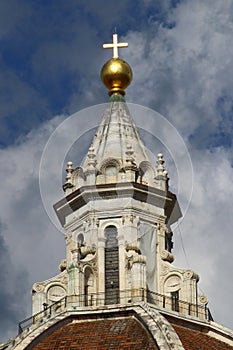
x=116 y=137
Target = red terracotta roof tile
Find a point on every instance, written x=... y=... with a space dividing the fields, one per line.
x=197 y=340
x=107 y=334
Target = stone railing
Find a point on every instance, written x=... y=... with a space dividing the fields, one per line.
x=126 y=297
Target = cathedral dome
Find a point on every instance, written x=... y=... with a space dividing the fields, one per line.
x=115 y=333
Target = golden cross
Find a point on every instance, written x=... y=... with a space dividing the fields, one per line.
x=115 y=45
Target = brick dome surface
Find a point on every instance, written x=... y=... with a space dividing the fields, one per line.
x=197 y=340
x=123 y=333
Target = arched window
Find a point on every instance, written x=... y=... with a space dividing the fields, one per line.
x=147 y=172
x=175 y=301
x=110 y=170
x=172 y=287
x=80 y=239
x=89 y=287
x=111 y=266
x=111 y=236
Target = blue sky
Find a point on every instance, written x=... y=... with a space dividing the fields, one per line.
x=51 y=54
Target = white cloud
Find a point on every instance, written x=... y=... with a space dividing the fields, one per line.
x=183 y=71
x=26 y=232
x=207 y=230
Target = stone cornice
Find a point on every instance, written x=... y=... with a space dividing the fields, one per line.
x=141 y=192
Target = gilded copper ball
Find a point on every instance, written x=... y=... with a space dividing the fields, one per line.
x=116 y=75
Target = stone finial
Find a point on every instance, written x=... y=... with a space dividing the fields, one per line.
x=160 y=168
x=69 y=171
x=91 y=157
x=91 y=150
x=165 y=174
x=67 y=187
x=160 y=162
x=129 y=154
